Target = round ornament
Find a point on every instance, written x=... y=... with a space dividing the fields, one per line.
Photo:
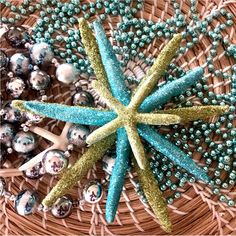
x=41 y=53
x=93 y=192
x=39 y=80
x=3 y=60
x=24 y=142
x=77 y=135
x=83 y=98
x=15 y=87
x=26 y=202
x=17 y=36
x=55 y=161
x=7 y=133
x=67 y=73
x=34 y=172
x=19 y=64
x=62 y=207
x=11 y=115
x=108 y=162
x=2 y=186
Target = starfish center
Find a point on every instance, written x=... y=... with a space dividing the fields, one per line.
x=127 y=116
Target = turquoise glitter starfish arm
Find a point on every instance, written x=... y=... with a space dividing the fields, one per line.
x=120 y=91
x=172 y=152
x=75 y=114
x=112 y=66
x=118 y=174
x=174 y=88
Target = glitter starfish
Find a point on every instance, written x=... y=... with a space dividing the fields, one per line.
x=131 y=117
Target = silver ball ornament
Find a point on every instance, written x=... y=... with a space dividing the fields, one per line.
x=15 y=87
x=41 y=53
x=93 y=192
x=62 y=207
x=24 y=142
x=26 y=202
x=7 y=133
x=77 y=135
x=39 y=80
x=67 y=73
x=54 y=161
x=19 y=64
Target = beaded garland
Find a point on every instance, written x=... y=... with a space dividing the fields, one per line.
x=133 y=43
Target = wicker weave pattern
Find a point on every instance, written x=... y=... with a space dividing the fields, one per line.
x=196 y=212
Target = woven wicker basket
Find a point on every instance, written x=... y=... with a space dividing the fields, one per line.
x=196 y=212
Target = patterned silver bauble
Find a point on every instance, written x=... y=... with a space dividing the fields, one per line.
x=41 y=53
x=34 y=172
x=39 y=80
x=26 y=202
x=11 y=115
x=67 y=73
x=3 y=60
x=24 y=142
x=62 y=207
x=15 y=87
x=77 y=135
x=93 y=192
x=19 y=64
x=7 y=133
x=83 y=98
x=108 y=162
x=55 y=161
x=17 y=36
x=2 y=186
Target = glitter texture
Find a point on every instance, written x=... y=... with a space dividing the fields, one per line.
x=169 y=90
x=76 y=114
x=156 y=72
x=92 y=51
x=172 y=152
x=111 y=65
x=78 y=170
x=154 y=196
x=118 y=174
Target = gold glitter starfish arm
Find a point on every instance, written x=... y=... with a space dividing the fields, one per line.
x=91 y=49
x=111 y=101
x=160 y=119
x=154 y=196
x=197 y=112
x=159 y=67
x=104 y=131
x=78 y=170
x=136 y=145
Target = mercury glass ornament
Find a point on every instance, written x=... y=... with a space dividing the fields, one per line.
x=7 y=133
x=24 y=142
x=83 y=98
x=11 y=115
x=67 y=73
x=15 y=87
x=3 y=60
x=34 y=172
x=93 y=192
x=2 y=186
x=19 y=64
x=108 y=162
x=77 y=135
x=55 y=161
x=62 y=207
x=39 y=80
x=26 y=202
x=17 y=36
x=41 y=53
